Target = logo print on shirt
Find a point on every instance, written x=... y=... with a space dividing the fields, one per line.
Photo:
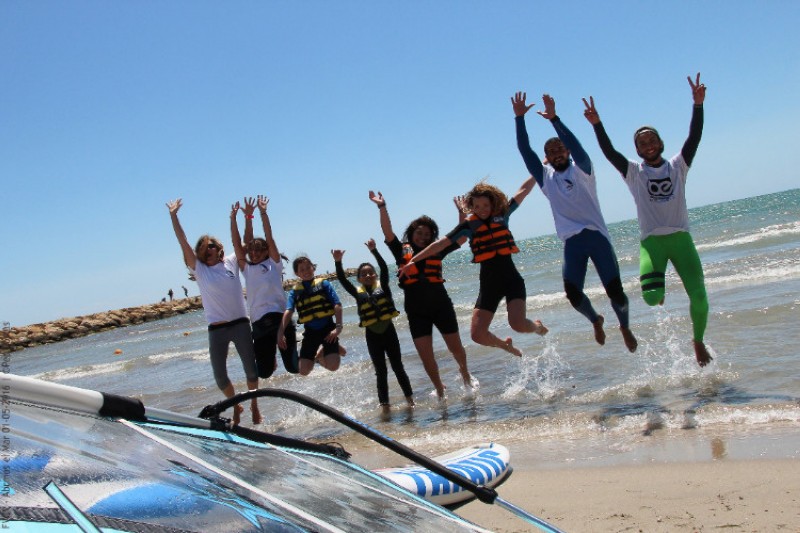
x=229 y=273
x=265 y=268
x=569 y=183
x=660 y=189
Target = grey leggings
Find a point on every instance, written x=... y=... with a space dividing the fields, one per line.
x=219 y=338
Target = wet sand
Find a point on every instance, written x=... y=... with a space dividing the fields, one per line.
x=748 y=483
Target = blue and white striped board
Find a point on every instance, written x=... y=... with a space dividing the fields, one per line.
x=485 y=464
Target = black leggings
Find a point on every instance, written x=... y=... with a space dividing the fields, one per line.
x=265 y=340
x=387 y=343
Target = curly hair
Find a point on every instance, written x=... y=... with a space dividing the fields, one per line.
x=497 y=198
x=424 y=220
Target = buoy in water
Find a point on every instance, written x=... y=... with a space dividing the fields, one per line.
x=117 y=352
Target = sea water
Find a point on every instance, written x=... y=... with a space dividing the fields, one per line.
x=572 y=398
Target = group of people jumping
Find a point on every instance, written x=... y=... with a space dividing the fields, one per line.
x=261 y=324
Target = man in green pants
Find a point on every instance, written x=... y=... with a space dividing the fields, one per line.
x=658 y=187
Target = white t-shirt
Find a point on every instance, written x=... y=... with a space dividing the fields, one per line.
x=660 y=196
x=221 y=290
x=264 y=283
x=573 y=201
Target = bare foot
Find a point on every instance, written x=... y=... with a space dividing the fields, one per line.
x=701 y=353
x=257 y=418
x=441 y=394
x=599 y=334
x=385 y=408
x=410 y=401
x=471 y=382
x=342 y=351
x=466 y=377
x=237 y=414
x=630 y=341
x=540 y=328
x=508 y=346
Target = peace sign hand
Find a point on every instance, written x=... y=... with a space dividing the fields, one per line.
x=698 y=90
x=591 y=112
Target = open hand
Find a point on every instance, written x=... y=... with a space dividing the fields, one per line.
x=549 y=107
x=518 y=102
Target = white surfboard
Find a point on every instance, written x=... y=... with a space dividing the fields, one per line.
x=486 y=464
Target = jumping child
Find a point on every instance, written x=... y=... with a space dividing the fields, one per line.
x=260 y=263
x=317 y=304
x=375 y=311
x=426 y=303
x=492 y=247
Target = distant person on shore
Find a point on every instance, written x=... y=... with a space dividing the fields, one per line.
x=224 y=307
x=376 y=310
x=427 y=303
x=170 y=294
x=492 y=247
x=317 y=306
x=185 y=291
x=568 y=182
x=658 y=187
x=260 y=263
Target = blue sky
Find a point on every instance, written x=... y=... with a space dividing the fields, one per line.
x=110 y=109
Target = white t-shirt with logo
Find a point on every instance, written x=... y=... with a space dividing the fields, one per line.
x=573 y=201
x=660 y=196
x=221 y=290
x=264 y=282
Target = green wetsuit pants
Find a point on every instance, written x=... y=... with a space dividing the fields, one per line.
x=654 y=252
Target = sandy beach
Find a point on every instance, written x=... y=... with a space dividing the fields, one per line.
x=687 y=484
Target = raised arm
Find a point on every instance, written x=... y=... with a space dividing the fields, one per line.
x=248 y=210
x=696 y=126
x=461 y=207
x=463 y=210
x=274 y=253
x=341 y=275
x=188 y=253
x=383 y=270
x=532 y=161
x=571 y=142
x=524 y=190
x=236 y=238
x=619 y=161
x=386 y=222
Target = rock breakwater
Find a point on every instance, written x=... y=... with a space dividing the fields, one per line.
x=17 y=338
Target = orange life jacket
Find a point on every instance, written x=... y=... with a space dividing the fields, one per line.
x=490 y=238
x=428 y=270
